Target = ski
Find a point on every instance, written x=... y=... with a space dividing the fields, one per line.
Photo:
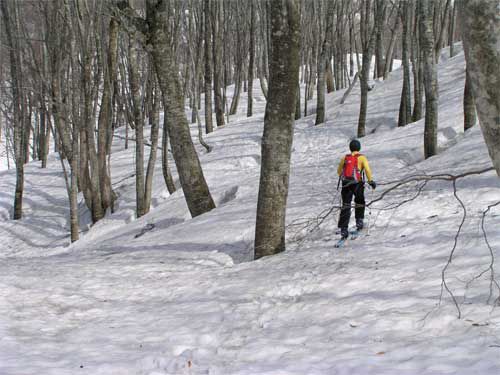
x=354 y=234
x=340 y=243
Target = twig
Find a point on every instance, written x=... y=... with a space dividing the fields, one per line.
x=416 y=178
x=450 y=258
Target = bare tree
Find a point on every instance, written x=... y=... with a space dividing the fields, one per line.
x=278 y=128
x=251 y=59
x=154 y=32
x=209 y=127
x=105 y=121
x=480 y=26
x=417 y=67
x=380 y=20
x=368 y=36
x=323 y=63
x=405 y=104
x=425 y=10
x=135 y=91
x=12 y=30
x=469 y=105
x=217 y=59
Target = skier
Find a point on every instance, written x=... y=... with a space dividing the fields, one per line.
x=352 y=170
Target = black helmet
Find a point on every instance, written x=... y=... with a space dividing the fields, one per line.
x=354 y=145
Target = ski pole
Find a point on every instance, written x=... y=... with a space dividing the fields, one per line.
x=370 y=214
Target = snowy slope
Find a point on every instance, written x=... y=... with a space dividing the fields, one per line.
x=183 y=298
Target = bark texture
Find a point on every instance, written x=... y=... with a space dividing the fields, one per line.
x=251 y=60
x=469 y=106
x=278 y=128
x=191 y=177
x=209 y=127
x=480 y=27
x=9 y=13
x=323 y=62
x=367 y=34
x=405 y=104
x=425 y=9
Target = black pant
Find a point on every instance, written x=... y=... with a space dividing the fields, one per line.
x=352 y=188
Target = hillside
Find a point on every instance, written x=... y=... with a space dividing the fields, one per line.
x=167 y=294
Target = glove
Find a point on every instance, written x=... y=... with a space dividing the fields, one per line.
x=372 y=184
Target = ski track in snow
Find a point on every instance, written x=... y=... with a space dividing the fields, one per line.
x=183 y=298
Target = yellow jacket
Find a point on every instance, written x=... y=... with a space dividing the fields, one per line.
x=363 y=165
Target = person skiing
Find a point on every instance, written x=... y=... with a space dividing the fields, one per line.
x=352 y=170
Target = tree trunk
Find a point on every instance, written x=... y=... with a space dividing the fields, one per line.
x=216 y=52
x=191 y=177
x=209 y=127
x=417 y=69
x=167 y=174
x=469 y=106
x=278 y=129
x=12 y=31
x=73 y=193
x=390 y=50
x=352 y=44
x=237 y=90
x=451 y=37
x=380 y=18
x=323 y=62
x=44 y=136
x=251 y=59
x=480 y=25
x=425 y=9
x=155 y=127
x=135 y=93
x=298 y=114
x=405 y=104
x=440 y=38
x=367 y=41
x=89 y=125
x=105 y=121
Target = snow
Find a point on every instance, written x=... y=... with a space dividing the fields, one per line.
x=184 y=297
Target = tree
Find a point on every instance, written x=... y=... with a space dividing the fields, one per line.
x=469 y=106
x=405 y=104
x=59 y=34
x=425 y=10
x=134 y=81
x=105 y=122
x=209 y=127
x=154 y=32
x=11 y=21
x=251 y=60
x=278 y=128
x=367 y=34
x=480 y=26
x=417 y=69
x=196 y=192
x=323 y=62
x=217 y=58
x=380 y=20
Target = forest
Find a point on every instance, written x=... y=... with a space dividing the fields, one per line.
x=181 y=141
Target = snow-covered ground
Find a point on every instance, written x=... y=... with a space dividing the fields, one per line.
x=167 y=294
